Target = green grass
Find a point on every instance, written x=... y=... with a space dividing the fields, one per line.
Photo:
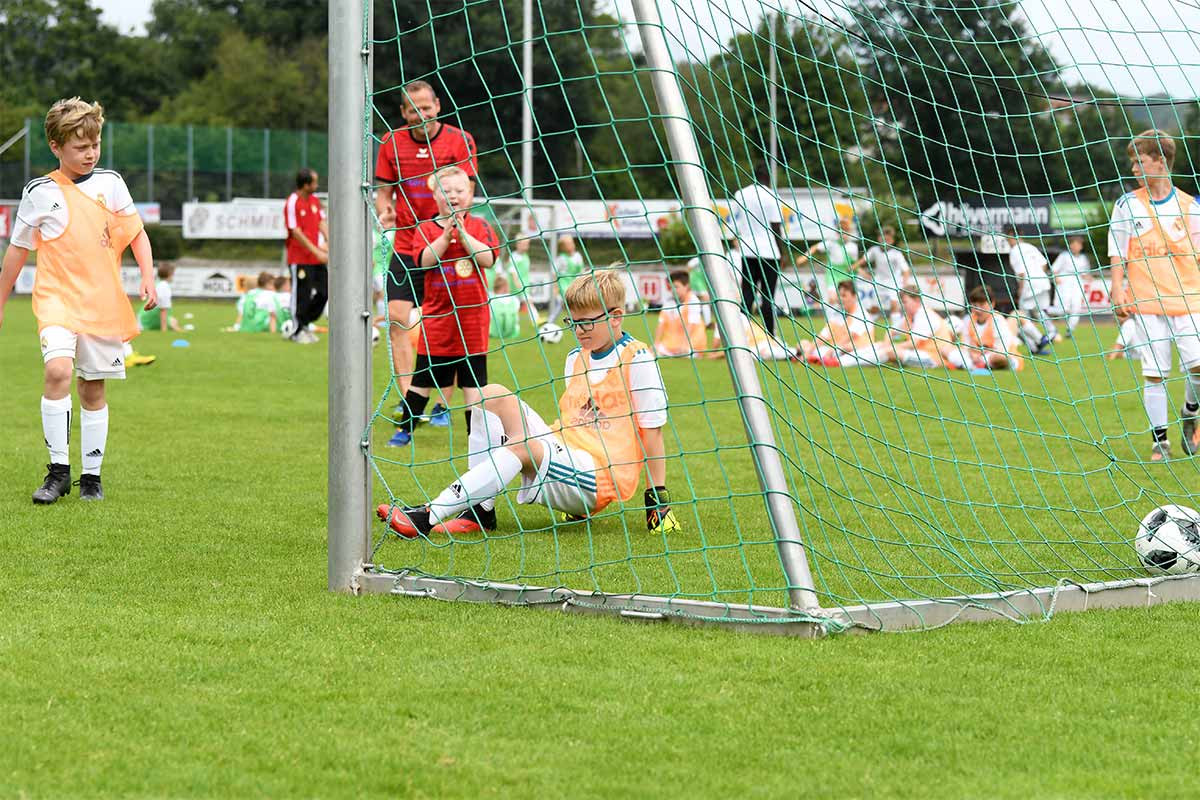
x=177 y=641
x=909 y=483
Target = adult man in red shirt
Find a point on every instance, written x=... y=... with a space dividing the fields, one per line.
x=307 y=254
x=407 y=157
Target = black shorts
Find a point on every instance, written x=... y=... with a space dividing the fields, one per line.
x=405 y=281
x=469 y=372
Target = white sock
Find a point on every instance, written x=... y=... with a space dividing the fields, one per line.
x=486 y=434
x=1154 y=395
x=56 y=426
x=93 y=438
x=1030 y=334
x=1191 y=390
x=481 y=482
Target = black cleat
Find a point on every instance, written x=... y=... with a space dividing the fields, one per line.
x=57 y=484
x=89 y=487
x=475 y=519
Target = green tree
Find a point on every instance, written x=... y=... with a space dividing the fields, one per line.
x=255 y=85
x=961 y=88
x=472 y=55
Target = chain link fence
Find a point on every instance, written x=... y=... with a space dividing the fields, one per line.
x=173 y=164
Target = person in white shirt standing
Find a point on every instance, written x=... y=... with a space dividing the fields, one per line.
x=1069 y=268
x=758 y=223
x=890 y=272
x=1034 y=283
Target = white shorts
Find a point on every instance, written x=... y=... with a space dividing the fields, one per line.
x=1151 y=336
x=96 y=358
x=1031 y=301
x=566 y=477
x=917 y=358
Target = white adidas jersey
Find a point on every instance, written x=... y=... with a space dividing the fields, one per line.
x=43 y=207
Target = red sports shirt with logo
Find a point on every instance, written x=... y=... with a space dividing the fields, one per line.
x=306 y=214
x=455 y=313
x=408 y=162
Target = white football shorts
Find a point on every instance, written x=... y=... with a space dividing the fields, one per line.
x=1151 y=337
x=97 y=358
x=566 y=477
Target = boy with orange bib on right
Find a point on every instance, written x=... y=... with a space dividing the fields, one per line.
x=613 y=409
x=1153 y=240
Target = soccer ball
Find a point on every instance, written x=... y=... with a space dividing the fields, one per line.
x=550 y=333
x=287 y=328
x=1168 y=540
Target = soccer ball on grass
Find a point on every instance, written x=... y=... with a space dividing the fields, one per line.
x=550 y=333
x=1168 y=540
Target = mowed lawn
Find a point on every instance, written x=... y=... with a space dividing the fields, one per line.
x=177 y=640
x=909 y=483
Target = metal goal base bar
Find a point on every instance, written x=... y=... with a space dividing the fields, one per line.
x=1037 y=603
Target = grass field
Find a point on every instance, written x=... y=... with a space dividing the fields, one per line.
x=911 y=483
x=177 y=641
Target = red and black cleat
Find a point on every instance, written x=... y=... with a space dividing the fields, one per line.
x=408 y=522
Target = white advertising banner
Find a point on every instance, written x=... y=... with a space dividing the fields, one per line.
x=806 y=214
x=246 y=219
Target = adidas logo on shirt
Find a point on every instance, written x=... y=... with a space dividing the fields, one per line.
x=55 y=207
x=95 y=453
x=117 y=363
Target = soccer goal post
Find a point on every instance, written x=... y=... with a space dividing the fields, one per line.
x=802 y=201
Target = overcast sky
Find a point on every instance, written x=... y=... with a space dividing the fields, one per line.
x=1137 y=47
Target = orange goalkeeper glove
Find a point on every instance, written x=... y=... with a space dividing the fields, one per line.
x=659 y=516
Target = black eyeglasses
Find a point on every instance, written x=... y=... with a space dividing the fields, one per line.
x=588 y=323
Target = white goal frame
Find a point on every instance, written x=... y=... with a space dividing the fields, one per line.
x=349 y=546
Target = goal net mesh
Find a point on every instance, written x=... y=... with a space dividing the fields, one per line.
x=942 y=121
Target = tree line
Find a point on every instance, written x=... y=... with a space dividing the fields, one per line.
x=913 y=101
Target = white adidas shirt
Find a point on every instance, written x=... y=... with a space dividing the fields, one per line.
x=43 y=207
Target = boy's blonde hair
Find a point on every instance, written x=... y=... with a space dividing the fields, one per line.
x=451 y=171
x=73 y=117
x=596 y=291
x=1154 y=143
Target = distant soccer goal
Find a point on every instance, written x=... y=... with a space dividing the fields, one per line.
x=874 y=381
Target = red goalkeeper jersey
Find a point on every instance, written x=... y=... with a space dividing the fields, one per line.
x=455 y=313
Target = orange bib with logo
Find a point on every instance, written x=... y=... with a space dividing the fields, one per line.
x=598 y=419
x=675 y=336
x=77 y=283
x=987 y=339
x=1162 y=267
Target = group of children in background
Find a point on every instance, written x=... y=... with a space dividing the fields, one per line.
x=878 y=289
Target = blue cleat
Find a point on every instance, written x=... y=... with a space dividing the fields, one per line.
x=400 y=439
x=439 y=417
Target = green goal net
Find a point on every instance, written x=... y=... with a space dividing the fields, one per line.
x=923 y=455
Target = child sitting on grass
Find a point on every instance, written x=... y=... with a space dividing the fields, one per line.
x=612 y=411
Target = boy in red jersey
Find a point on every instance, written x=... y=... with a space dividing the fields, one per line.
x=79 y=219
x=613 y=408
x=454 y=249
x=407 y=157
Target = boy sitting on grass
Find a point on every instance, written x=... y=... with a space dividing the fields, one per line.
x=987 y=341
x=843 y=336
x=681 y=330
x=160 y=318
x=613 y=408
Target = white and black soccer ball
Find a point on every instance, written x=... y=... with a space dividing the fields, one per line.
x=550 y=333
x=1168 y=540
x=287 y=328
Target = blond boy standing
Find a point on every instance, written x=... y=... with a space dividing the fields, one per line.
x=80 y=220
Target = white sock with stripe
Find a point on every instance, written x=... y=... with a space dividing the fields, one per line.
x=482 y=482
x=93 y=438
x=56 y=427
x=1154 y=395
x=486 y=435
